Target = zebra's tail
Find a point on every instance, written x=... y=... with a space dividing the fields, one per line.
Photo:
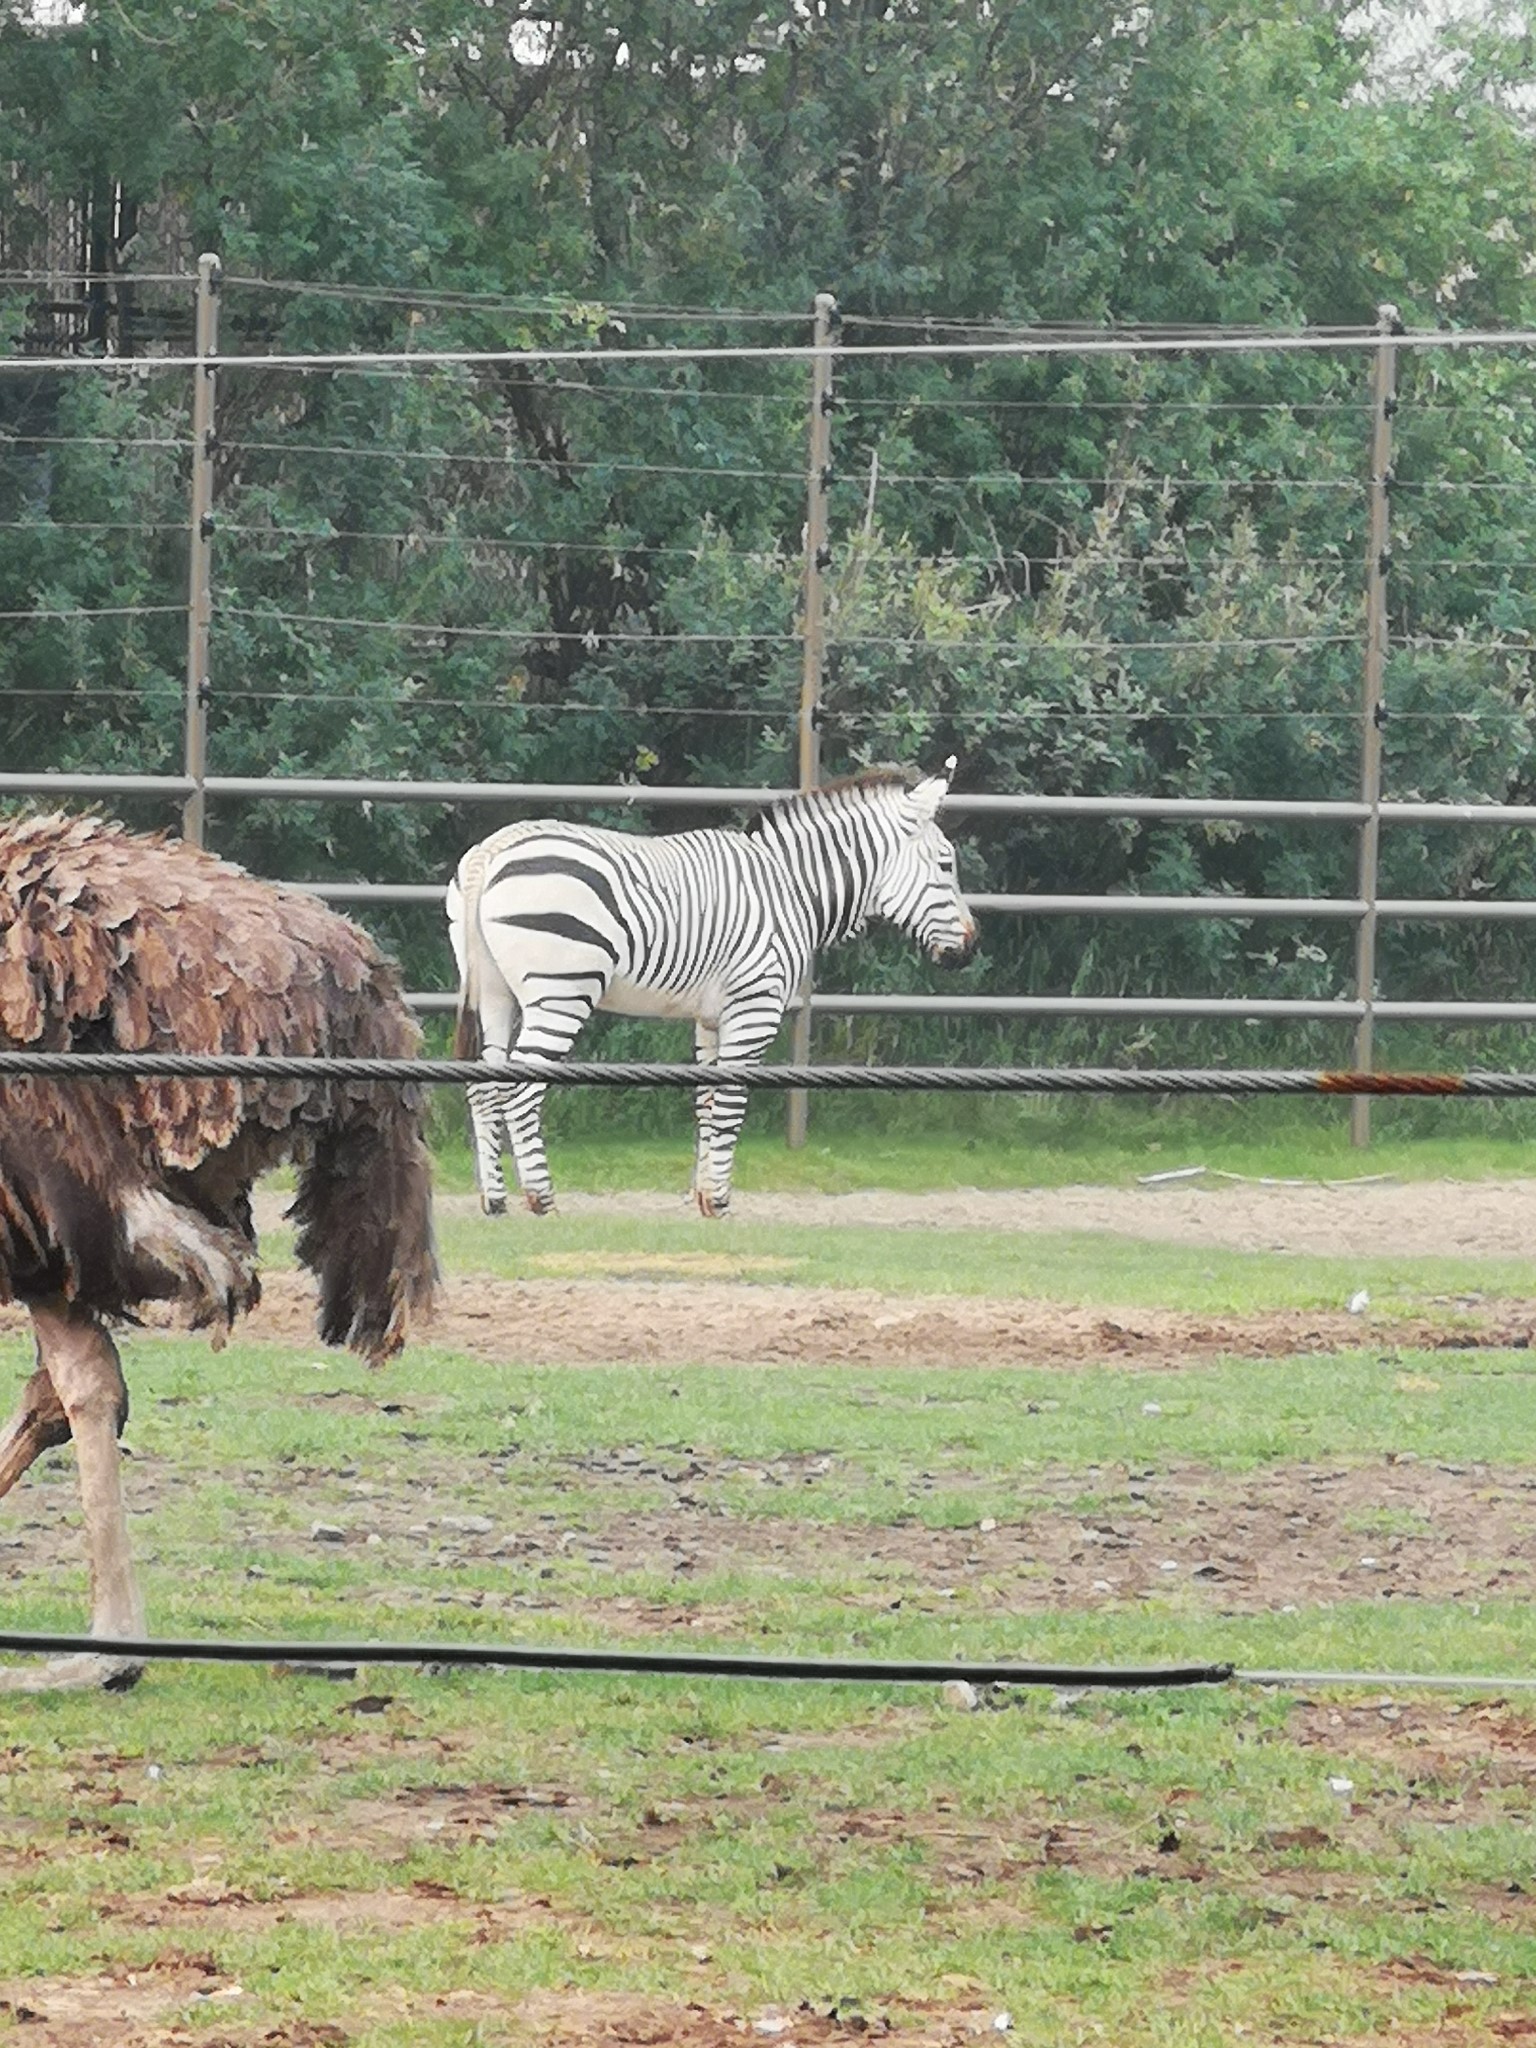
x=464 y=912
x=482 y=986
x=468 y=1040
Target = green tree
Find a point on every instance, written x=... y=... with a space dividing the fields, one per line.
x=1077 y=572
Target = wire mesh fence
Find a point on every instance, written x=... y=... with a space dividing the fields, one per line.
x=1089 y=570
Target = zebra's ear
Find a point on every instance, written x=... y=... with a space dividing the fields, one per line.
x=928 y=794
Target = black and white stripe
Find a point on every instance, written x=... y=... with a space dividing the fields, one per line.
x=551 y=921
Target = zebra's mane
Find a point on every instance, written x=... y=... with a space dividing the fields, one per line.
x=835 y=792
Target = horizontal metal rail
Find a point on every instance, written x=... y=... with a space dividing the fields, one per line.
x=1238 y=908
x=685 y=796
x=174 y=787
x=1321 y=1008
x=1242 y=909
x=259 y=1067
x=587 y=795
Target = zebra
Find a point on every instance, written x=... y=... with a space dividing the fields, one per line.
x=550 y=922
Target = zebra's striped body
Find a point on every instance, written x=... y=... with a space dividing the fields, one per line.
x=550 y=921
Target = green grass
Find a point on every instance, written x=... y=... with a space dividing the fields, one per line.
x=476 y=1853
x=916 y=1143
x=1059 y=1144
x=518 y=1436
x=1156 y=1868
x=673 y=1873
x=1077 y=1268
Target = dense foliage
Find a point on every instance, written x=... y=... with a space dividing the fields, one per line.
x=1080 y=572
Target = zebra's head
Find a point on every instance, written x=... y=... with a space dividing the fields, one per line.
x=917 y=888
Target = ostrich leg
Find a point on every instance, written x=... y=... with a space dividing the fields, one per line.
x=38 y=1425
x=78 y=1391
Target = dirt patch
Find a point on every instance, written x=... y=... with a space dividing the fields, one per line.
x=212 y=1910
x=65 y=2015
x=1420 y=1761
x=700 y=1316
x=624 y=1322
x=1368 y=1217
x=182 y=2004
x=604 y=1322
x=1482 y=1743
x=559 y=2021
x=1257 y=1542
x=131 y=2008
x=1279 y=1538
x=982 y=1869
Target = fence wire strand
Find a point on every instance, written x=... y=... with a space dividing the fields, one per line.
x=1216 y=342
x=1248 y=1081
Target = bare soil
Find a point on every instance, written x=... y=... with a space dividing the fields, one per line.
x=693 y=1319
x=681 y=1322
x=1172 y=1533
x=139 y=2010
x=1370 y=1216
x=1258 y=1542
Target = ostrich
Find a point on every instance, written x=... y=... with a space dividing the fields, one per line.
x=115 y=1193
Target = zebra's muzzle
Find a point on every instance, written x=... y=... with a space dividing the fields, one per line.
x=955 y=956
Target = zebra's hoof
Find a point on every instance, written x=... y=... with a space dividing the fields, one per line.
x=493 y=1205
x=541 y=1205
x=713 y=1206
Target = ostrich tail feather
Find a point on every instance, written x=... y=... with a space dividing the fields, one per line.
x=363 y=1215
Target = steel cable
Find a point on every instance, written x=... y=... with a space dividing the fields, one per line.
x=258 y=1067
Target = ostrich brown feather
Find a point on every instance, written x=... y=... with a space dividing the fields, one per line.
x=116 y=1193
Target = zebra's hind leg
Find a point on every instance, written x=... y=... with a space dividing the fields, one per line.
x=522 y=1119
x=548 y=1030
x=486 y=1119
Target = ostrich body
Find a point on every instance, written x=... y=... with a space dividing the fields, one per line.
x=115 y=1194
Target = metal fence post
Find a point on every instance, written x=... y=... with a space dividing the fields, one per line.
x=200 y=548
x=1378 y=557
x=818 y=556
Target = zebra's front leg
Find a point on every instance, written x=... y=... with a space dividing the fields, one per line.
x=735 y=1041
x=706 y=1049
x=717 y=1151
